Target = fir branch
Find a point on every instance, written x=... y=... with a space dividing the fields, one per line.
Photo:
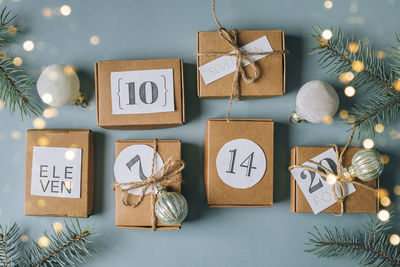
x=381 y=100
x=370 y=248
x=10 y=246
x=14 y=84
x=71 y=246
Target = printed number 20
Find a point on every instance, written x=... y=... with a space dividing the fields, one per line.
x=247 y=163
x=142 y=93
x=312 y=188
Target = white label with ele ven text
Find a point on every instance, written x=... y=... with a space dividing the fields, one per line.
x=225 y=65
x=314 y=187
x=56 y=172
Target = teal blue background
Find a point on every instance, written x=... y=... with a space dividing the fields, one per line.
x=167 y=29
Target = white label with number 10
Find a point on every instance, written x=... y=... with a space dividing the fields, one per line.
x=241 y=163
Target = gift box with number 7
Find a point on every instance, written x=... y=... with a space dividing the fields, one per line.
x=140 y=94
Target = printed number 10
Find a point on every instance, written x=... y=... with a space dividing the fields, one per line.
x=248 y=161
x=142 y=93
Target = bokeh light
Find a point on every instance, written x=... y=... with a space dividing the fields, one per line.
x=368 y=143
x=94 y=40
x=327 y=34
x=50 y=113
x=383 y=215
x=385 y=159
x=331 y=179
x=346 y=77
x=396 y=85
x=1 y=105
x=380 y=54
x=43 y=141
x=328 y=4
x=327 y=119
x=358 y=66
x=39 y=123
x=379 y=128
x=16 y=134
x=343 y=114
x=57 y=227
x=12 y=30
x=385 y=201
x=349 y=91
x=41 y=203
x=28 y=45
x=396 y=190
x=47 y=12
x=353 y=47
x=17 y=61
x=69 y=70
x=394 y=239
x=44 y=242
x=24 y=238
x=65 y=10
x=69 y=155
x=47 y=98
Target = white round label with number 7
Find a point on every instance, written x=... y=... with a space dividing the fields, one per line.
x=241 y=163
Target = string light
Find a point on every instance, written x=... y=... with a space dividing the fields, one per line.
x=346 y=77
x=28 y=45
x=379 y=128
x=65 y=10
x=368 y=143
x=44 y=242
x=17 y=61
x=57 y=227
x=327 y=34
x=94 y=40
x=328 y=4
x=353 y=47
x=394 y=239
x=358 y=66
x=383 y=215
x=349 y=91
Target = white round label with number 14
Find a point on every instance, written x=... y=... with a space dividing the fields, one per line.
x=241 y=163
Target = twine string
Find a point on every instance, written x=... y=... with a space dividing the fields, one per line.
x=167 y=174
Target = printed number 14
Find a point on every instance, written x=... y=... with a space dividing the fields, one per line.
x=247 y=163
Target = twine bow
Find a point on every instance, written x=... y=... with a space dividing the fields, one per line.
x=340 y=175
x=167 y=174
x=241 y=57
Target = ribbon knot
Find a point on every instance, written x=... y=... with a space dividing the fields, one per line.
x=167 y=174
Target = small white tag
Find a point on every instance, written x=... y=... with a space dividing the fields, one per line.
x=56 y=172
x=134 y=163
x=142 y=91
x=241 y=163
x=225 y=65
x=314 y=187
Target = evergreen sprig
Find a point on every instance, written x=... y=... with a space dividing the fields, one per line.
x=15 y=85
x=374 y=80
x=11 y=246
x=370 y=245
x=71 y=246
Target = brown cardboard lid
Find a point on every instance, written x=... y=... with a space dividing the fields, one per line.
x=106 y=119
x=361 y=201
x=272 y=81
x=219 y=131
x=55 y=206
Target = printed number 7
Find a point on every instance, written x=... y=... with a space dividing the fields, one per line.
x=132 y=162
x=249 y=161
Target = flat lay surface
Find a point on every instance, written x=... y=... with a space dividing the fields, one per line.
x=99 y=30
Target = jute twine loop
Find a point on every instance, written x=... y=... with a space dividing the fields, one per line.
x=80 y=101
x=242 y=57
x=167 y=174
x=341 y=178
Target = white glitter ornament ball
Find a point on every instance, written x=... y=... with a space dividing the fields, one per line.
x=316 y=102
x=58 y=85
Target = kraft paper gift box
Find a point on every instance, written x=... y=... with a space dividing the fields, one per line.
x=140 y=216
x=273 y=67
x=140 y=94
x=59 y=173
x=238 y=162
x=361 y=201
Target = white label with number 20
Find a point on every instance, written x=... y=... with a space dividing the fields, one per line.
x=241 y=163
